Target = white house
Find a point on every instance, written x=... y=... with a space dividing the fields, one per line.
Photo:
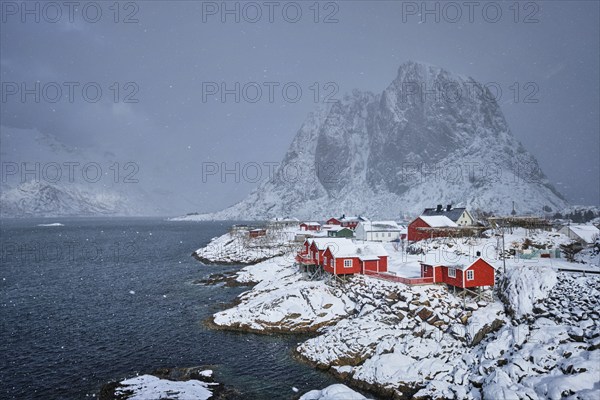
x=584 y=234
x=459 y=215
x=378 y=231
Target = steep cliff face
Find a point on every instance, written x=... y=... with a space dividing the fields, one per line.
x=431 y=137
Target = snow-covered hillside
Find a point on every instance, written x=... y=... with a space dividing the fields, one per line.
x=392 y=153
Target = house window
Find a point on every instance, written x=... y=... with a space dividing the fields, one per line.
x=389 y=234
x=325 y=260
x=470 y=275
x=452 y=272
x=331 y=263
x=347 y=263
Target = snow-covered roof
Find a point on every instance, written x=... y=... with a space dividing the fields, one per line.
x=438 y=221
x=378 y=226
x=323 y=243
x=328 y=227
x=337 y=228
x=453 y=260
x=453 y=214
x=585 y=232
x=353 y=219
x=285 y=219
x=364 y=251
x=311 y=224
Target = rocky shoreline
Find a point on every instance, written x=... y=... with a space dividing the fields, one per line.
x=208 y=261
x=397 y=341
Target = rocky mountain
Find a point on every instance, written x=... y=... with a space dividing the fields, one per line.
x=48 y=200
x=43 y=177
x=432 y=137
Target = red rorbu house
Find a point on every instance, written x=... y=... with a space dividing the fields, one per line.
x=436 y=221
x=254 y=233
x=313 y=249
x=351 y=258
x=333 y=221
x=310 y=226
x=351 y=222
x=469 y=274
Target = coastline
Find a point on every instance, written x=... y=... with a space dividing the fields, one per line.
x=442 y=347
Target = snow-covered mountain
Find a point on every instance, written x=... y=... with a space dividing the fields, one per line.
x=43 y=177
x=48 y=200
x=430 y=138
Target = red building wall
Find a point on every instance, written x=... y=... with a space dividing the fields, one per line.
x=316 y=253
x=415 y=235
x=383 y=264
x=259 y=233
x=426 y=271
x=375 y=265
x=333 y=221
x=484 y=274
x=457 y=281
x=356 y=266
x=306 y=227
x=351 y=224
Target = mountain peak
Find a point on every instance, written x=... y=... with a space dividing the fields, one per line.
x=401 y=151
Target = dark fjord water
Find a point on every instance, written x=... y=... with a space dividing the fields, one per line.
x=100 y=300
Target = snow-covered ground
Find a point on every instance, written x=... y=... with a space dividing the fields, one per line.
x=538 y=338
x=239 y=248
x=455 y=251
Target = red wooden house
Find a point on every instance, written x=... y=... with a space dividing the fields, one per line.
x=255 y=233
x=351 y=222
x=350 y=258
x=310 y=226
x=313 y=249
x=333 y=221
x=465 y=275
x=438 y=221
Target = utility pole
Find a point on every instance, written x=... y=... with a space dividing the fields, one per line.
x=503 y=254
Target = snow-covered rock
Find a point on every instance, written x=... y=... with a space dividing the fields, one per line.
x=146 y=387
x=283 y=301
x=333 y=392
x=522 y=287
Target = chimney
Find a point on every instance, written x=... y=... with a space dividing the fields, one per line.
x=478 y=254
x=449 y=207
x=439 y=208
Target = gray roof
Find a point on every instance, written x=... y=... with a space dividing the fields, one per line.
x=454 y=213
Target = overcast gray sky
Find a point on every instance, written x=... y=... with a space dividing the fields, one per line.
x=162 y=54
